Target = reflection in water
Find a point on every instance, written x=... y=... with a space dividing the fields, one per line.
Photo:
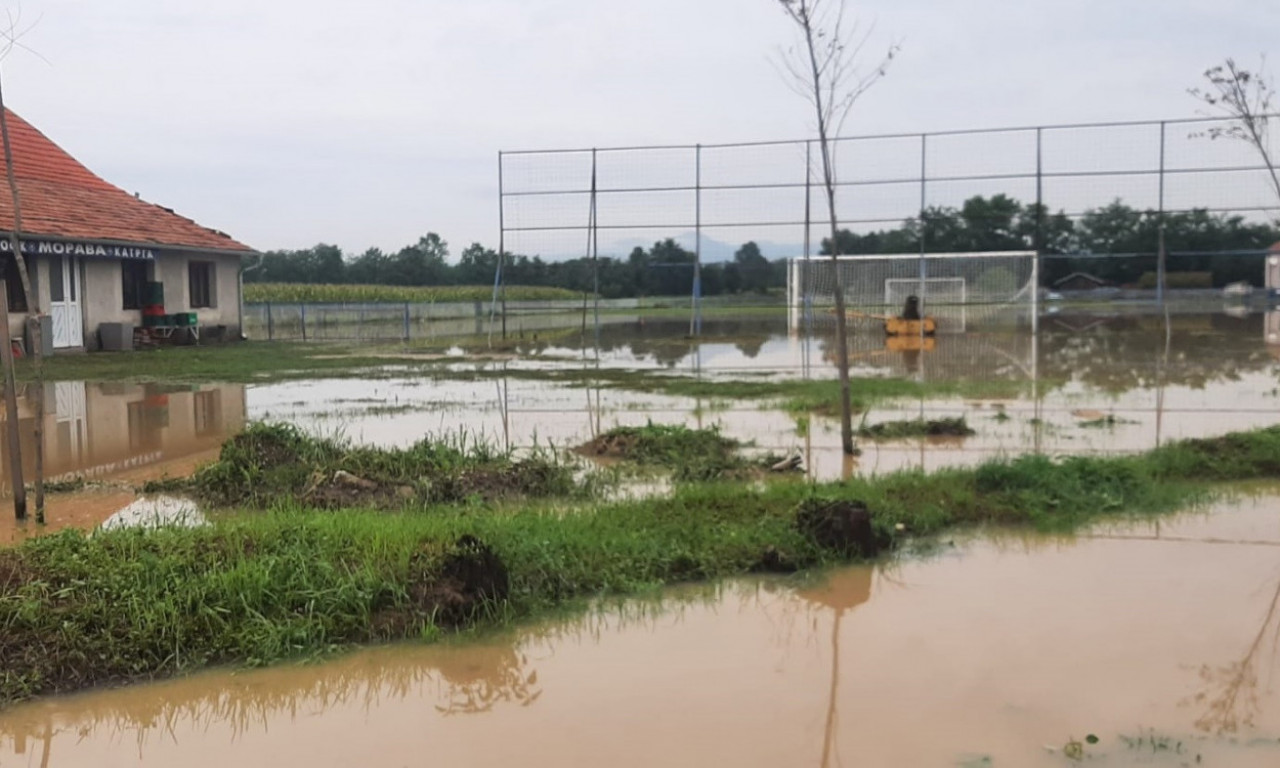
x=101 y=430
x=1231 y=694
x=478 y=681
x=842 y=592
x=1113 y=351
x=116 y=436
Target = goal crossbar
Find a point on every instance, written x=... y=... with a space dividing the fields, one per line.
x=944 y=283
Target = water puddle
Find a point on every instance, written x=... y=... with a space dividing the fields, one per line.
x=1157 y=637
x=101 y=440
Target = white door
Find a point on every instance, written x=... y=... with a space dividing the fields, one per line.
x=64 y=301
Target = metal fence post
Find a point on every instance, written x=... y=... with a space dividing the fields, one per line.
x=924 y=201
x=695 y=320
x=271 y=332
x=302 y=308
x=1161 y=274
x=406 y=321
x=1039 y=238
x=1036 y=274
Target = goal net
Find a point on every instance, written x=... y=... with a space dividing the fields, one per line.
x=956 y=289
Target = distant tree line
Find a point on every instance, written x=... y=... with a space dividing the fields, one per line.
x=666 y=269
x=997 y=223
x=1001 y=223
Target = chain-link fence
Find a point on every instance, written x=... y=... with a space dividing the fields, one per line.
x=1074 y=194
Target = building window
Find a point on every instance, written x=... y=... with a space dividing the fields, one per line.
x=13 y=284
x=134 y=282
x=200 y=277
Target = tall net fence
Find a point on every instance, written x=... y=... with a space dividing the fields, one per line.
x=1124 y=203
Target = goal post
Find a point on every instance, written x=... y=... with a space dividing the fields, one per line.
x=954 y=288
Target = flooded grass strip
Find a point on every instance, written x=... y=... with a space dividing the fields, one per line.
x=79 y=610
x=797 y=396
x=270 y=463
x=249 y=361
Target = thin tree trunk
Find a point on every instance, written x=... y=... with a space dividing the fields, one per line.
x=828 y=179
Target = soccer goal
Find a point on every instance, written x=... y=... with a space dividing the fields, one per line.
x=957 y=289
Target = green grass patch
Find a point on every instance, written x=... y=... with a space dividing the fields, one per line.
x=258 y=293
x=78 y=610
x=249 y=361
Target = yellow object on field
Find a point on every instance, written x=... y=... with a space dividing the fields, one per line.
x=896 y=326
x=910 y=344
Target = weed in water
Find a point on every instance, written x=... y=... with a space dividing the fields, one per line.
x=66 y=485
x=1108 y=421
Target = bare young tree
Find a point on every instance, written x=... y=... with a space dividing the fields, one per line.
x=824 y=69
x=1247 y=100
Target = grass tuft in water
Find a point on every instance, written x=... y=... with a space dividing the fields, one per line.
x=269 y=463
x=690 y=454
x=898 y=430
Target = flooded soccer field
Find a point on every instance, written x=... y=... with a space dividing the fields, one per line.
x=1086 y=383
x=1157 y=636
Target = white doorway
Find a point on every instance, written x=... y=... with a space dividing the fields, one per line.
x=64 y=301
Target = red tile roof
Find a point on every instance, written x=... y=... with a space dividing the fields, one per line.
x=63 y=199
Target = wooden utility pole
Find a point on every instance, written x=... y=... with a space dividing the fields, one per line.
x=11 y=409
x=33 y=308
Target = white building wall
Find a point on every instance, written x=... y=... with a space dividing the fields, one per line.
x=103 y=294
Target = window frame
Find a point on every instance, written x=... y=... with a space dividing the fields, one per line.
x=140 y=287
x=206 y=298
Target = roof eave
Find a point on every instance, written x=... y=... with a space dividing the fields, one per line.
x=246 y=251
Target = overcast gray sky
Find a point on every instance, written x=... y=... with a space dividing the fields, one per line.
x=289 y=122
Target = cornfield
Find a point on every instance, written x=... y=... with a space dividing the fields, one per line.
x=342 y=294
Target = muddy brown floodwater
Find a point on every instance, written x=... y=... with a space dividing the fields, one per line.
x=981 y=654
x=1087 y=383
x=113 y=437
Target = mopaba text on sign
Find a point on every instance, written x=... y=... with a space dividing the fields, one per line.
x=54 y=248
